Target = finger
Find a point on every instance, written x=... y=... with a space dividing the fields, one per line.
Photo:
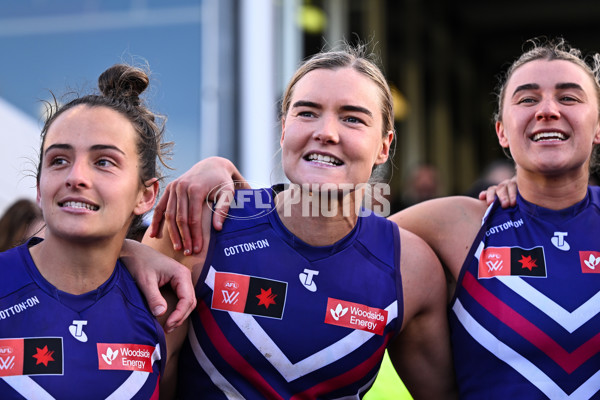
x=158 y=218
x=185 y=305
x=502 y=193
x=512 y=194
x=156 y=302
x=182 y=221
x=170 y=215
x=222 y=207
x=490 y=194
x=241 y=183
x=197 y=196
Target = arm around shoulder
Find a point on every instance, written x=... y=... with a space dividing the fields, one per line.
x=421 y=351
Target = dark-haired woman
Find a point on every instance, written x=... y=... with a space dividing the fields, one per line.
x=73 y=324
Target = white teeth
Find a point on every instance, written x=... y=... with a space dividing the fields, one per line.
x=549 y=136
x=78 y=204
x=324 y=159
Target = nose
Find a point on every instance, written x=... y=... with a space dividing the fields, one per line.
x=78 y=175
x=327 y=131
x=547 y=109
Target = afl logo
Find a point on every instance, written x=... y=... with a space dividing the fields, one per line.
x=6 y=350
x=494 y=255
x=231 y=285
x=226 y=196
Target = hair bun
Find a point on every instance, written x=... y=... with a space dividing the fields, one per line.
x=123 y=81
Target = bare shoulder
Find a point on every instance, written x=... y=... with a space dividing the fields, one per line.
x=440 y=210
x=448 y=225
x=423 y=278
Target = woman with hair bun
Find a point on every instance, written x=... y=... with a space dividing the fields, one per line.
x=73 y=324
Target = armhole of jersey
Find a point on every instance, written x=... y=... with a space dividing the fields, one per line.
x=398 y=276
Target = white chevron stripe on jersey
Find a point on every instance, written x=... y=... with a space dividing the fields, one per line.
x=279 y=360
x=30 y=389
x=27 y=387
x=135 y=381
x=568 y=320
x=215 y=376
x=528 y=370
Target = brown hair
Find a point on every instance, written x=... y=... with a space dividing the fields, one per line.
x=554 y=49
x=120 y=88
x=550 y=49
x=348 y=57
x=16 y=221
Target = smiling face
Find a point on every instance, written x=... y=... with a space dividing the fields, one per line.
x=550 y=118
x=89 y=186
x=331 y=133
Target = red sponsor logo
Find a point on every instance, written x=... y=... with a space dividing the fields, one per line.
x=11 y=357
x=494 y=261
x=355 y=316
x=230 y=292
x=123 y=356
x=590 y=262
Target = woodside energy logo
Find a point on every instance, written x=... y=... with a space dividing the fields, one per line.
x=355 y=316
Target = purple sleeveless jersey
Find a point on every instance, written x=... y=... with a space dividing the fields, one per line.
x=280 y=319
x=55 y=345
x=525 y=321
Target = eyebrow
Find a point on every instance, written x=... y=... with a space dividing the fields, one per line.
x=535 y=86
x=96 y=147
x=305 y=103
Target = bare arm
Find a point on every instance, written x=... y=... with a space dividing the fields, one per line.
x=174 y=339
x=212 y=179
x=448 y=225
x=151 y=270
x=421 y=352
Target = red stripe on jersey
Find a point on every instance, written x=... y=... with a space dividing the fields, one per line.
x=347 y=377
x=231 y=355
x=567 y=361
x=156 y=390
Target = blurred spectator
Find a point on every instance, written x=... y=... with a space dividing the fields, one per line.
x=422 y=184
x=20 y=221
x=496 y=172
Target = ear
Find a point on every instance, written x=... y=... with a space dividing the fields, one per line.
x=147 y=197
x=384 y=151
x=282 y=131
x=38 y=197
x=597 y=135
x=502 y=139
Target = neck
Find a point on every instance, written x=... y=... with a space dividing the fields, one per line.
x=76 y=268
x=318 y=219
x=552 y=192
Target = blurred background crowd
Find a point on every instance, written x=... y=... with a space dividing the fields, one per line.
x=219 y=68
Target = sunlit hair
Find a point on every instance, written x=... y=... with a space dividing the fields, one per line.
x=550 y=49
x=553 y=49
x=120 y=88
x=356 y=58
